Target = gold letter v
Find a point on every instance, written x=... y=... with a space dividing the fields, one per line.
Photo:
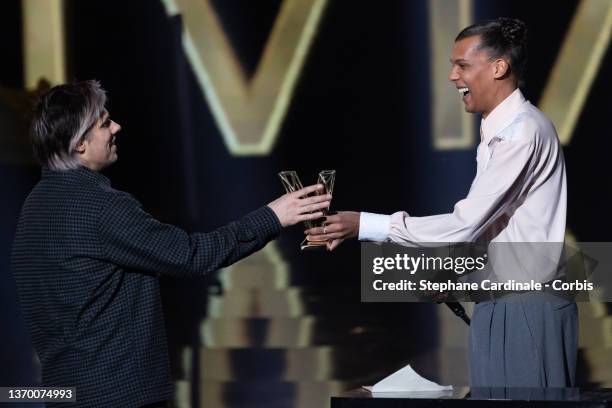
x=248 y=112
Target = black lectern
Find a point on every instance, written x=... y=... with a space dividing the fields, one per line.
x=462 y=397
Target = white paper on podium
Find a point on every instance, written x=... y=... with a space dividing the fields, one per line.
x=407 y=380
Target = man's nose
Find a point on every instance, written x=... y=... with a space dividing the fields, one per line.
x=452 y=75
x=116 y=127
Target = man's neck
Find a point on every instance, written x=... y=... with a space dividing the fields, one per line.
x=500 y=95
x=91 y=166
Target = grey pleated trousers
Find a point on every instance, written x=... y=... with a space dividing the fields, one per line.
x=526 y=340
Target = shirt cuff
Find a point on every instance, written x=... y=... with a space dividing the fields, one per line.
x=374 y=227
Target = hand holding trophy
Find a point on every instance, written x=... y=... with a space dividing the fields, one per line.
x=291 y=182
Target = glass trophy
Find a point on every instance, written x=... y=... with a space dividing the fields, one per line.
x=291 y=182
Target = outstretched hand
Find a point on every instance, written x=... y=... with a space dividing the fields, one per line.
x=335 y=229
x=296 y=207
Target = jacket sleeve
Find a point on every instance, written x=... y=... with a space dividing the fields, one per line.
x=132 y=238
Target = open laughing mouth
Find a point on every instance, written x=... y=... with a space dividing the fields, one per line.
x=463 y=91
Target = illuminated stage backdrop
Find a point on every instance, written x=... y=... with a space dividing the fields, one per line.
x=216 y=96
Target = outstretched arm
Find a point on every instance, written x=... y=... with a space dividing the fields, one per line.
x=131 y=238
x=509 y=173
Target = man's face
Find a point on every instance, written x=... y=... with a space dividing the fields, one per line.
x=473 y=73
x=100 y=150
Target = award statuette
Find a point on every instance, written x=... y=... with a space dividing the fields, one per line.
x=291 y=182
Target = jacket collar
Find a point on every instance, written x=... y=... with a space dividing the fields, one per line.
x=81 y=174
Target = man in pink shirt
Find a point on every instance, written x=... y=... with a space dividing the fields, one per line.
x=518 y=195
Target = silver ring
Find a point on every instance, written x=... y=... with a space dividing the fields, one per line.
x=325 y=229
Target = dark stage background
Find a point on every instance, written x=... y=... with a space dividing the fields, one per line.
x=363 y=105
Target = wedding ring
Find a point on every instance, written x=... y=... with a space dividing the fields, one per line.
x=325 y=229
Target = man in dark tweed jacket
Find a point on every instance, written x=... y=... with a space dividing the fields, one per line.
x=86 y=257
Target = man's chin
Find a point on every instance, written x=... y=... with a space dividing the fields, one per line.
x=469 y=109
x=110 y=161
x=468 y=103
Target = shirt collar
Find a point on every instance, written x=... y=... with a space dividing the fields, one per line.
x=502 y=115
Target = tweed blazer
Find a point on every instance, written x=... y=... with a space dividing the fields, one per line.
x=86 y=259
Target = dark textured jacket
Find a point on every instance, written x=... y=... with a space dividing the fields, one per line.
x=86 y=259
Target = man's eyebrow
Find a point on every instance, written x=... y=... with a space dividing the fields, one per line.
x=457 y=61
x=103 y=114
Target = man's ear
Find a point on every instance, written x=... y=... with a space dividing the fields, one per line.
x=501 y=68
x=81 y=146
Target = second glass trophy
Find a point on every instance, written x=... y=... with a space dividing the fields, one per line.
x=291 y=182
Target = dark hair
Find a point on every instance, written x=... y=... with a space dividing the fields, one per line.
x=502 y=37
x=62 y=118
